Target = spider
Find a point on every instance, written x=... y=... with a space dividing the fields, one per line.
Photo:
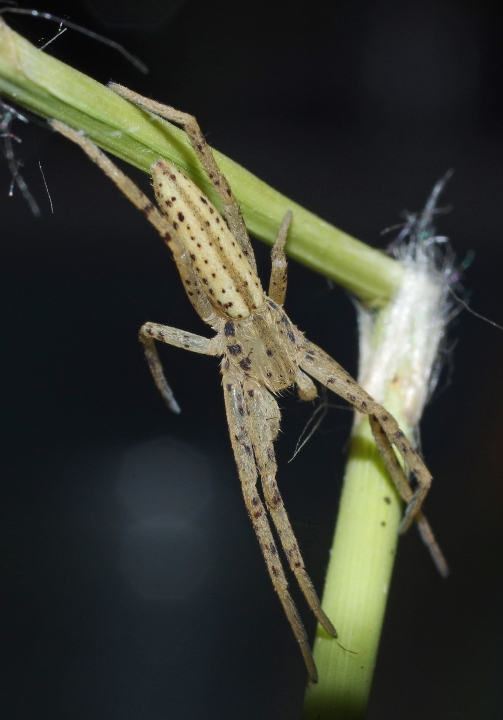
x=263 y=353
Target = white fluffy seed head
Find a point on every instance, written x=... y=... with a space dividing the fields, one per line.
x=402 y=345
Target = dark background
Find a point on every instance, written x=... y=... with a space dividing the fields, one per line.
x=131 y=582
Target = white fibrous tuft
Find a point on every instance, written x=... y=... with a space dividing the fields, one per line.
x=402 y=345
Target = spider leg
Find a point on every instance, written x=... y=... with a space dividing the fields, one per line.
x=231 y=209
x=396 y=473
x=172 y=336
x=161 y=223
x=262 y=440
x=326 y=370
x=279 y=271
x=272 y=414
x=242 y=445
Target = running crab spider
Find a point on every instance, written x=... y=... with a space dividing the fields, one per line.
x=262 y=352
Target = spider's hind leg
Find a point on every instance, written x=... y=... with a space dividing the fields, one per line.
x=398 y=476
x=258 y=402
x=396 y=436
x=243 y=446
x=326 y=370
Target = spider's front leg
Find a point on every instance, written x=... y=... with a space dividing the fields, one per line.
x=231 y=209
x=159 y=220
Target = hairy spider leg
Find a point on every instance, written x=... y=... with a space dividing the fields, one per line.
x=231 y=209
x=397 y=475
x=327 y=371
x=235 y=405
x=161 y=223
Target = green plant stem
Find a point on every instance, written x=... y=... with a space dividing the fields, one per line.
x=357 y=583
x=52 y=89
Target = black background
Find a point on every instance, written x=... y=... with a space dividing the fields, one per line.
x=150 y=600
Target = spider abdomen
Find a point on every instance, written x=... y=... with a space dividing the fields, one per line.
x=224 y=272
